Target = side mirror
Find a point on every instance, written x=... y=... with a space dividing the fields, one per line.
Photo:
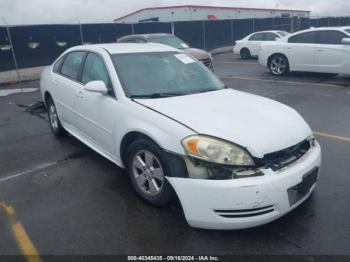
x=345 y=41
x=96 y=87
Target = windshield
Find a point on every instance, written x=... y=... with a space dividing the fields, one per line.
x=172 y=41
x=282 y=33
x=163 y=74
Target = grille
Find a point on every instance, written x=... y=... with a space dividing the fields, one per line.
x=283 y=158
x=206 y=62
x=241 y=213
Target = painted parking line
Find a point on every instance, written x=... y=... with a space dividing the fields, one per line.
x=27 y=172
x=332 y=136
x=23 y=241
x=279 y=81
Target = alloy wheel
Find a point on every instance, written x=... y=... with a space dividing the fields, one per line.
x=278 y=65
x=53 y=116
x=148 y=173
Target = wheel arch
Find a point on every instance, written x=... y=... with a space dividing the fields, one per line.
x=47 y=96
x=243 y=48
x=128 y=139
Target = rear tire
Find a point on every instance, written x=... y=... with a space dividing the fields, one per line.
x=54 y=120
x=245 y=54
x=147 y=168
x=279 y=65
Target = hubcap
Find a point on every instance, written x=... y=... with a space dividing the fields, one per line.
x=278 y=65
x=148 y=173
x=53 y=117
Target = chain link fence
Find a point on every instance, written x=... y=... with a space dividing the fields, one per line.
x=39 y=45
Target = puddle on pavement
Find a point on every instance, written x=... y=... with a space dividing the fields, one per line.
x=6 y=92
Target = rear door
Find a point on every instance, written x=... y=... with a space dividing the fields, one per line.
x=331 y=55
x=66 y=86
x=300 y=51
x=254 y=43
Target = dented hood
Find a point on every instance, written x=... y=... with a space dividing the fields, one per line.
x=261 y=125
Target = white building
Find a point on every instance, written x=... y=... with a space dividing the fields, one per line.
x=200 y=13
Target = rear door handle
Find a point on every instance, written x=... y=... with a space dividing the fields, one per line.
x=320 y=50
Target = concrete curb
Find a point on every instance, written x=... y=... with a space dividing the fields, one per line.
x=222 y=50
x=14 y=82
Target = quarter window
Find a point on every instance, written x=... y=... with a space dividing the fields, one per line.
x=257 y=37
x=71 y=65
x=331 y=37
x=304 y=38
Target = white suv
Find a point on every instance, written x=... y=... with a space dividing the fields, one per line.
x=234 y=160
x=322 y=50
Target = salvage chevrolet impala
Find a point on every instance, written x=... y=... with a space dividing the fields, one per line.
x=234 y=160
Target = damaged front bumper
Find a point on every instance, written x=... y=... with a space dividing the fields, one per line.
x=248 y=202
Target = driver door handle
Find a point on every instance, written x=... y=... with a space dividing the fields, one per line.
x=79 y=94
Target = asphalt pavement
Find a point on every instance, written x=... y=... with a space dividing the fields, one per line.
x=71 y=201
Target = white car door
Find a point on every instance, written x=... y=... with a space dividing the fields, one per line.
x=66 y=86
x=96 y=118
x=300 y=51
x=254 y=43
x=331 y=55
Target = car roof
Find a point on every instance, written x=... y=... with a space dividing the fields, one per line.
x=315 y=29
x=123 y=48
x=146 y=35
x=270 y=31
x=340 y=28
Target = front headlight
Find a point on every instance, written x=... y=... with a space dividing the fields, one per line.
x=216 y=151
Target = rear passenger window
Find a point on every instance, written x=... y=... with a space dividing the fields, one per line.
x=257 y=37
x=304 y=38
x=331 y=37
x=134 y=40
x=71 y=65
x=270 y=37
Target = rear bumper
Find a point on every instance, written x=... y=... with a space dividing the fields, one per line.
x=252 y=201
x=236 y=50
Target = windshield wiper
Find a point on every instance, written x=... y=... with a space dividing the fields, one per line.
x=157 y=95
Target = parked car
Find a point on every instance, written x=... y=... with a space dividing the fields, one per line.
x=250 y=46
x=322 y=50
x=173 y=41
x=233 y=159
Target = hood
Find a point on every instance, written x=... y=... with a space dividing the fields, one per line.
x=197 y=53
x=259 y=124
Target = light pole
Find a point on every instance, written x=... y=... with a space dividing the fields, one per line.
x=12 y=49
x=81 y=31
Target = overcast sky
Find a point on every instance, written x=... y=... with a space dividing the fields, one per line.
x=66 y=11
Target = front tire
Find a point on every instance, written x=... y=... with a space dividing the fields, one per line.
x=279 y=65
x=147 y=168
x=54 y=120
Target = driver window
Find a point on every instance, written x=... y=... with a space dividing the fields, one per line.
x=95 y=69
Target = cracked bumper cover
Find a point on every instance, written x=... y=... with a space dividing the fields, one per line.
x=201 y=198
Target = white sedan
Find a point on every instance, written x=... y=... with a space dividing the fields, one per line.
x=250 y=46
x=234 y=160
x=321 y=50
